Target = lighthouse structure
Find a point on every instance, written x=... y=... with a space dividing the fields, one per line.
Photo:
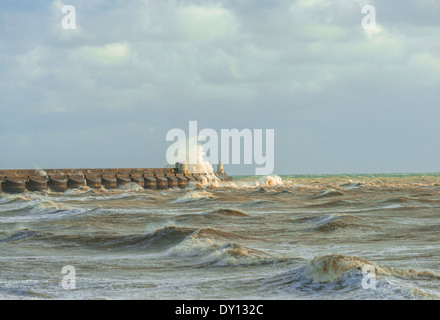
x=182 y=168
x=220 y=170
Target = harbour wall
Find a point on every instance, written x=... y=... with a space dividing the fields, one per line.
x=59 y=180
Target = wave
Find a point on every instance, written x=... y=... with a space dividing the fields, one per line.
x=34 y=204
x=160 y=239
x=271 y=181
x=209 y=245
x=219 y=248
x=260 y=190
x=329 y=193
x=217 y=214
x=15 y=198
x=408 y=200
x=78 y=191
x=167 y=236
x=215 y=234
x=329 y=204
x=339 y=276
x=8 y=292
x=398 y=200
x=194 y=196
x=332 y=267
x=281 y=190
x=339 y=225
x=4 y=199
x=425 y=200
x=131 y=187
x=211 y=252
x=421 y=295
x=228 y=213
x=114 y=195
x=334 y=222
x=16 y=206
x=351 y=185
x=47 y=206
x=265 y=203
x=23 y=234
x=261 y=184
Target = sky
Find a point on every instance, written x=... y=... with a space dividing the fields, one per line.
x=340 y=98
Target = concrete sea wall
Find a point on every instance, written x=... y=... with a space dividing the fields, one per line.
x=59 y=180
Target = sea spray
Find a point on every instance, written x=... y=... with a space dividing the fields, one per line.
x=271 y=181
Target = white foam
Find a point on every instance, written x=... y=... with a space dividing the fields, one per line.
x=194 y=196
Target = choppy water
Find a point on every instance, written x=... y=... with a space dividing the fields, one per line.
x=296 y=237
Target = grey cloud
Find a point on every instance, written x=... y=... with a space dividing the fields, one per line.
x=339 y=99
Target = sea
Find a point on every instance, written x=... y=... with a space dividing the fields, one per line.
x=288 y=237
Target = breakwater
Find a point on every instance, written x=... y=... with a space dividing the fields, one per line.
x=59 y=180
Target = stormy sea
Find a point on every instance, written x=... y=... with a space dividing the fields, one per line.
x=274 y=237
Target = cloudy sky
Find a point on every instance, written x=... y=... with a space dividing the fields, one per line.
x=341 y=99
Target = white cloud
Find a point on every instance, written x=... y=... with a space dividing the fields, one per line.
x=427 y=61
x=29 y=67
x=110 y=54
x=207 y=23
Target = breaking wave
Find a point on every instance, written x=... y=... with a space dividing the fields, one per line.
x=332 y=267
x=194 y=196
x=33 y=204
x=338 y=276
x=209 y=251
x=209 y=245
x=220 y=248
x=271 y=181
x=160 y=239
x=48 y=206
